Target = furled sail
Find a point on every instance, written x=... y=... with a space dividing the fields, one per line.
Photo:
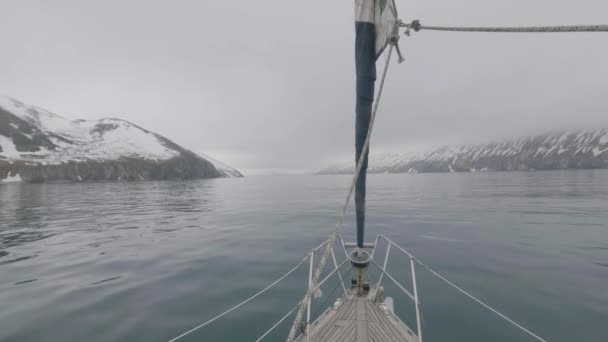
x=374 y=24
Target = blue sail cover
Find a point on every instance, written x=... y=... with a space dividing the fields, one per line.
x=374 y=23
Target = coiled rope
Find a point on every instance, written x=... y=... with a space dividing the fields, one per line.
x=416 y=26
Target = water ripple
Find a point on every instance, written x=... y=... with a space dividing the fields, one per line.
x=145 y=261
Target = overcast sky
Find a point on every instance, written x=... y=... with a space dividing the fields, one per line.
x=270 y=83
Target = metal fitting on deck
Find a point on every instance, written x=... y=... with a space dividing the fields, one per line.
x=359 y=258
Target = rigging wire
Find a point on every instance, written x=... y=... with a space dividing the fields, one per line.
x=294 y=309
x=435 y=273
x=334 y=236
x=416 y=26
x=278 y=323
x=241 y=303
x=296 y=306
x=331 y=293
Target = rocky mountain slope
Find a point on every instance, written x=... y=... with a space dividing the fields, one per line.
x=562 y=150
x=39 y=146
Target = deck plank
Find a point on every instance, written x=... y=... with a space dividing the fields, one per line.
x=359 y=320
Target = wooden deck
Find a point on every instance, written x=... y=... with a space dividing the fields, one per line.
x=358 y=320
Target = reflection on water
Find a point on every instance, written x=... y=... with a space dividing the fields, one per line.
x=25 y=281
x=144 y=261
x=105 y=280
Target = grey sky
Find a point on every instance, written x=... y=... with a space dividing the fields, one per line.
x=270 y=84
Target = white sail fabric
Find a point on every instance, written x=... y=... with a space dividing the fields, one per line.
x=383 y=14
x=385 y=20
x=364 y=11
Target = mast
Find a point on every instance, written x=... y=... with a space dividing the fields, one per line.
x=375 y=22
x=365 y=65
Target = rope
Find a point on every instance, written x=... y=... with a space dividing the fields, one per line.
x=331 y=293
x=241 y=303
x=323 y=260
x=416 y=26
x=277 y=323
x=479 y=301
x=294 y=309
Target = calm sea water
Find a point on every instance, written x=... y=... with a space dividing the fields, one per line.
x=145 y=261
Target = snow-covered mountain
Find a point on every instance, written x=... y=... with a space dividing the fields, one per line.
x=226 y=169
x=37 y=146
x=563 y=150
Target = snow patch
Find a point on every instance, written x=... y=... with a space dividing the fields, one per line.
x=540 y=150
x=9 y=150
x=12 y=179
x=221 y=167
x=604 y=139
x=597 y=151
x=81 y=140
x=550 y=150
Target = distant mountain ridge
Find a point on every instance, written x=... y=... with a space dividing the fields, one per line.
x=39 y=146
x=582 y=149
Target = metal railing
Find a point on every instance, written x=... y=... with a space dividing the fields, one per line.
x=373 y=246
x=312 y=288
x=412 y=262
x=414 y=296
